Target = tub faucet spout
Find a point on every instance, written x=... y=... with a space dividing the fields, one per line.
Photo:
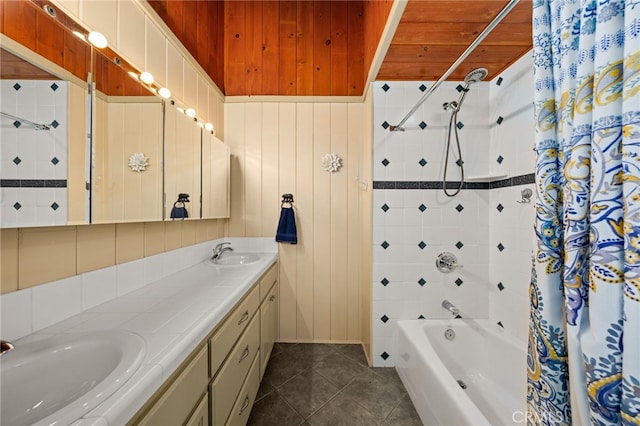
x=450 y=307
x=5 y=347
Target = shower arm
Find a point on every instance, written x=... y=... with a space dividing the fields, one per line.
x=472 y=46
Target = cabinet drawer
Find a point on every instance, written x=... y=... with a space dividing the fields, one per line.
x=269 y=277
x=177 y=402
x=268 y=326
x=242 y=408
x=228 y=382
x=225 y=338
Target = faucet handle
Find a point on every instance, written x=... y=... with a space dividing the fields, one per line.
x=221 y=245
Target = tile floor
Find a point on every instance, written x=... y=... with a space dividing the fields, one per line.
x=323 y=384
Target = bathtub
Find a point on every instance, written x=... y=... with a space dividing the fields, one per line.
x=487 y=361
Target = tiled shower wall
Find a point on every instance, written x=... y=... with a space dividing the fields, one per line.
x=34 y=162
x=414 y=221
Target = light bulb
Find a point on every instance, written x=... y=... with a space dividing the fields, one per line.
x=97 y=39
x=164 y=92
x=200 y=124
x=190 y=112
x=208 y=127
x=80 y=35
x=146 y=77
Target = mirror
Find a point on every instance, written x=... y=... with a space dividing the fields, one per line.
x=43 y=134
x=182 y=165
x=216 y=160
x=126 y=174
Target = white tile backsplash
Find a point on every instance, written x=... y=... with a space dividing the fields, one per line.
x=40 y=308
x=56 y=301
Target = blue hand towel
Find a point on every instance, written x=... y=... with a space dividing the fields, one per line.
x=287 y=232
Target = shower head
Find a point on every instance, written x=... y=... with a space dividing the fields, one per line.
x=476 y=75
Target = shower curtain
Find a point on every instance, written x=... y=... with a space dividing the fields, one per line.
x=584 y=332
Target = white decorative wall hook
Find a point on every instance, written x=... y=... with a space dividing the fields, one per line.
x=138 y=162
x=331 y=162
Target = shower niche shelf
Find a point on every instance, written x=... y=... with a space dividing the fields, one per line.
x=487 y=178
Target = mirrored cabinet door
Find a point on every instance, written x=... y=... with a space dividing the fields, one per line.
x=215 y=177
x=127 y=148
x=43 y=133
x=182 y=165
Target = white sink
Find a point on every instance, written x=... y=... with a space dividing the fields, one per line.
x=235 y=259
x=57 y=380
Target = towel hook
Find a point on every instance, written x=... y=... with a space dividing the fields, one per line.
x=286 y=199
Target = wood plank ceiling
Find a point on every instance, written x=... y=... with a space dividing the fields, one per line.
x=432 y=34
x=322 y=48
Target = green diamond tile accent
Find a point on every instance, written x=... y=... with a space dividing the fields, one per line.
x=500 y=120
x=384 y=318
x=500 y=247
x=422 y=162
x=54 y=124
x=385 y=162
x=459 y=207
x=55 y=161
x=384 y=282
x=386 y=87
x=385 y=245
x=17 y=124
x=17 y=206
x=16 y=87
x=384 y=355
x=422 y=207
x=500 y=207
x=459 y=245
x=499 y=81
x=17 y=161
x=385 y=125
x=385 y=207
x=422 y=282
x=422 y=245
x=421 y=317
x=458 y=282
x=55 y=206
x=459 y=125
x=500 y=159
x=54 y=87
x=422 y=125
x=500 y=286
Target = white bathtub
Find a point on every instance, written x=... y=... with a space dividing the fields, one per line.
x=482 y=355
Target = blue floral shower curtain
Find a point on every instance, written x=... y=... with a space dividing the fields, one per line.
x=584 y=333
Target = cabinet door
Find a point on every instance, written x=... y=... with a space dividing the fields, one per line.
x=200 y=416
x=268 y=326
x=177 y=402
x=246 y=397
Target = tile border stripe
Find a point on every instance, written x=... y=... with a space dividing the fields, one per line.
x=502 y=183
x=33 y=183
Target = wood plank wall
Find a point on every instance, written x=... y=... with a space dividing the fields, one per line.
x=276 y=149
x=280 y=47
x=28 y=24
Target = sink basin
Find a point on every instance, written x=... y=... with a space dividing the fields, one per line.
x=235 y=259
x=57 y=380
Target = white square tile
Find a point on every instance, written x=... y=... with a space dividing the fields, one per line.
x=98 y=287
x=15 y=314
x=56 y=301
x=130 y=276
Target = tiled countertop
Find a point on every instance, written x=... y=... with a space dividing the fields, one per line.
x=173 y=315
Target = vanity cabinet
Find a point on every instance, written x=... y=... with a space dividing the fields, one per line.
x=217 y=384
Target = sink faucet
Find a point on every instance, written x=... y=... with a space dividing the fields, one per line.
x=219 y=249
x=5 y=347
x=450 y=307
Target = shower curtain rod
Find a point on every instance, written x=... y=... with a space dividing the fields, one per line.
x=38 y=126
x=472 y=46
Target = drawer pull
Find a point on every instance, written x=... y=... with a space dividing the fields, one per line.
x=245 y=404
x=245 y=354
x=245 y=317
x=272 y=298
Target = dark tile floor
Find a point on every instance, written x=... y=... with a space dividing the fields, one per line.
x=322 y=384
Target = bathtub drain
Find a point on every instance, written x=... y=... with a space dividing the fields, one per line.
x=462 y=384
